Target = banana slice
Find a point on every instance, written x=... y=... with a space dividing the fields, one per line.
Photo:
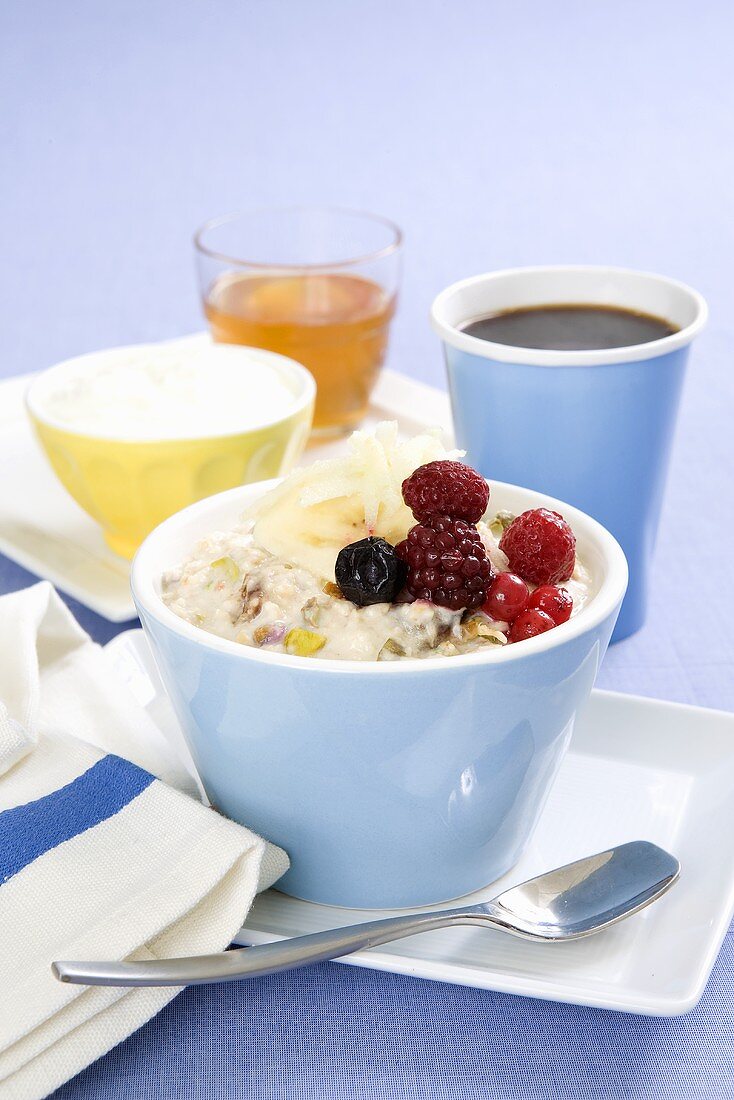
x=318 y=510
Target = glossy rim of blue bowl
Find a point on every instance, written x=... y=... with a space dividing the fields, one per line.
x=536 y=357
x=145 y=576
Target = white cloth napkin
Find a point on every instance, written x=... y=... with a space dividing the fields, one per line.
x=98 y=859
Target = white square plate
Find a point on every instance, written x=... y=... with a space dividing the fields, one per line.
x=45 y=531
x=637 y=769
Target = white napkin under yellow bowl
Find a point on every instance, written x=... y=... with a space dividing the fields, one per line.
x=98 y=857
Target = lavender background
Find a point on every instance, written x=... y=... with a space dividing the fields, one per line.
x=496 y=134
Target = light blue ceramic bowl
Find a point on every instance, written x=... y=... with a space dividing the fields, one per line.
x=388 y=784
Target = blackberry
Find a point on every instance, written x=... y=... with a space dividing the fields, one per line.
x=447 y=563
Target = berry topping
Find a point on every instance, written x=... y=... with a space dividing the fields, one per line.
x=555 y=602
x=507 y=597
x=369 y=571
x=448 y=489
x=528 y=624
x=447 y=563
x=540 y=547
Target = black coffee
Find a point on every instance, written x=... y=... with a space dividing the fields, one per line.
x=570 y=327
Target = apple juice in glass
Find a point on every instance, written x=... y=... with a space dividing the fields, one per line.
x=316 y=285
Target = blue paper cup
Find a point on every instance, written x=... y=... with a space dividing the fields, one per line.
x=594 y=428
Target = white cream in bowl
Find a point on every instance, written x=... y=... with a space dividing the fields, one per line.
x=174 y=389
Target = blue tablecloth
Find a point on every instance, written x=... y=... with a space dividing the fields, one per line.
x=496 y=135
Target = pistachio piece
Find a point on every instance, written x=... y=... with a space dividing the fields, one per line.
x=332 y=589
x=303 y=643
x=390 y=647
x=311 y=611
x=228 y=566
x=500 y=522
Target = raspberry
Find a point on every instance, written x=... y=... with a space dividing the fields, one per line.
x=556 y=602
x=506 y=598
x=540 y=546
x=528 y=624
x=447 y=489
x=447 y=563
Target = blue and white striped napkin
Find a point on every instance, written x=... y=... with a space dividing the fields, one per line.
x=98 y=857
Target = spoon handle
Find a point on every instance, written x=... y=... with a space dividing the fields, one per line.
x=252 y=962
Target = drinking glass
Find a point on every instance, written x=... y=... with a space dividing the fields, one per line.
x=317 y=285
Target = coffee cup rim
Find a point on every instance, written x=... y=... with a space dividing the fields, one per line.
x=448 y=331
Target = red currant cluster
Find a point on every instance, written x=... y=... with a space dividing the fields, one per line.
x=510 y=600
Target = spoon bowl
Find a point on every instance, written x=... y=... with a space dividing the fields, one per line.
x=582 y=898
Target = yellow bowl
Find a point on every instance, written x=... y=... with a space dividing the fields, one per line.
x=129 y=486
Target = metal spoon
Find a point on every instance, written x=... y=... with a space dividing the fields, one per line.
x=573 y=901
